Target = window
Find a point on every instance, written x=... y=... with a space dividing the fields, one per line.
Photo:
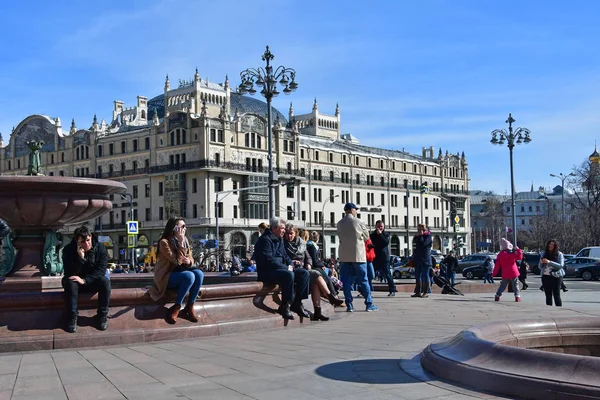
x=122 y=168
x=147 y=190
x=135 y=145
x=358 y=179
x=194 y=185
x=290 y=192
x=135 y=191
x=383 y=199
x=194 y=211
x=235 y=186
x=330 y=157
x=316 y=155
x=331 y=176
x=218 y=184
x=220 y=209
x=148 y=215
x=291 y=146
x=160 y=213
x=160 y=189
x=522 y=208
x=221 y=138
x=235 y=211
x=147 y=143
x=111 y=149
x=303 y=193
x=301 y=153
x=213 y=135
x=331 y=194
x=357 y=197
x=123 y=147
x=99 y=153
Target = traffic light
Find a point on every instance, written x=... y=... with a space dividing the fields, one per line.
x=424 y=188
x=454 y=246
x=460 y=242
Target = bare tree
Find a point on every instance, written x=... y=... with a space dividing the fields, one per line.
x=585 y=203
x=493 y=215
x=542 y=228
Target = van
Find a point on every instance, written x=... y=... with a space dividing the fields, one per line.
x=589 y=252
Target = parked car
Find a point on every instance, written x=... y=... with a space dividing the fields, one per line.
x=587 y=270
x=437 y=255
x=476 y=271
x=403 y=271
x=569 y=256
x=533 y=259
x=589 y=252
x=473 y=260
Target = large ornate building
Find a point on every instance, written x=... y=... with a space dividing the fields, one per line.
x=175 y=151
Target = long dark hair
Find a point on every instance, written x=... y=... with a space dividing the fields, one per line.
x=551 y=255
x=169 y=230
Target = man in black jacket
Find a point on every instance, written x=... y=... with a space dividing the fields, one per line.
x=273 y=266
x=381 y=240
x=85 y=261
x=451 y=264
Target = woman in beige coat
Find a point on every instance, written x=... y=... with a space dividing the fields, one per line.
x=175 y=269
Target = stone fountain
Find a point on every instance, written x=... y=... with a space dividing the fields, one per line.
x=37 y=206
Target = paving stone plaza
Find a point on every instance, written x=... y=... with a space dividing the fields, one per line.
x=358 y=356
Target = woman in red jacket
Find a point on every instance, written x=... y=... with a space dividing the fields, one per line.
x=506 y=261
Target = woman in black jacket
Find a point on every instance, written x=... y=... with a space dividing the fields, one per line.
x=313 y=250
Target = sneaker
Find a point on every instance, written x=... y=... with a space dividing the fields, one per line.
x=102 y=322
x=392 y=294
x=518 y=299
x=497 y=298
x=349 y=308
x=372 y=307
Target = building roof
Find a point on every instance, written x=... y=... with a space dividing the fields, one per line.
x=240 y=103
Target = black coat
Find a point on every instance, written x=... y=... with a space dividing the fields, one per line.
x=270 y=254
x=422 y=253
x=90 y=269
x=451 y=263
x=381 y=242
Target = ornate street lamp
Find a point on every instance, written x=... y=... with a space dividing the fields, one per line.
x=518 y=136
x=267 y=79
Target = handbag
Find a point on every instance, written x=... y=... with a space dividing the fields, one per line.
x=558 y=273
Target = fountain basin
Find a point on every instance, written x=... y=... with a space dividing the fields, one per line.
x=532 y=359
x=34 y=205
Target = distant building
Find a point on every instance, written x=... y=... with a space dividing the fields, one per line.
x=175 y=151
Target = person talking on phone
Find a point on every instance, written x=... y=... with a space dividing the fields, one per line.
x=85 y=261
x=175 y=269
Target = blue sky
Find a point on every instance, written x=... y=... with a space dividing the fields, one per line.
x=406 y=74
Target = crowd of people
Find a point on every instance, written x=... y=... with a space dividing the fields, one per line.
x=290 y=257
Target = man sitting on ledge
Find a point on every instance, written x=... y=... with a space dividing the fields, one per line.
x=275 y=267
x=85 y=261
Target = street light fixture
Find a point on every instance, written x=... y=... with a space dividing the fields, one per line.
x=518 y=136
x=267 y=79
x=327 y=200
x=562 y=178
x=129 y=196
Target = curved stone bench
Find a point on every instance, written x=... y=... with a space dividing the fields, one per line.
x=35 y=320
x=507 y=358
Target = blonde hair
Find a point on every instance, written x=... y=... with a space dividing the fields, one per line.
x=304 y=235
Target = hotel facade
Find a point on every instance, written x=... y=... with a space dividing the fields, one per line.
x=176 y=151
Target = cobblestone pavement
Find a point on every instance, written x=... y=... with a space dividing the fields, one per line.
x=357 y=356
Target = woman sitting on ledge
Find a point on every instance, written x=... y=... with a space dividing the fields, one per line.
x=175 y=269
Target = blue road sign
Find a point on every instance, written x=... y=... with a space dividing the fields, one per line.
x=132 y=228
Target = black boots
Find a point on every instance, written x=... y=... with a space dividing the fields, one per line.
x=72 y=324
x=417 y=290
x=284 y=310
x=317 y=316
x=335 y=301
x=298 y=308
x=102 y=322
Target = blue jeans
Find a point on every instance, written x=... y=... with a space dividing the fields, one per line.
x=355 y=272
x=451 y=277
x=370 y=274
x=186 y=281
x=488 y=278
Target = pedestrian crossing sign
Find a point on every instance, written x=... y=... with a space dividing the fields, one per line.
x=132 y=227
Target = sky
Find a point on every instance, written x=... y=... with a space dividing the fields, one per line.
x=406 y=74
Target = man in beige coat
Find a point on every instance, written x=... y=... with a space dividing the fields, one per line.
x=353 y=256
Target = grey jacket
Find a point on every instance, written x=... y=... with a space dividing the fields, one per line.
x=352 y=233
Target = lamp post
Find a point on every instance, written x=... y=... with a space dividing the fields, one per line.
x=129 y=196
x=327 y=200
x=407 y=222
x=518 y=136
x=562 y=178
x=267 y=79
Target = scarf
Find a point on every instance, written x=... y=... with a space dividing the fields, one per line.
x=296 y=248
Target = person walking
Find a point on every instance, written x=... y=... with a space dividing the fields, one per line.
x=451 y=264
x=353 y=258
x=175 y=269
x=523 y=266
x=422 y=260
x=381 y=241
x=506 y=262
x=488 y=264
x=552 y=262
